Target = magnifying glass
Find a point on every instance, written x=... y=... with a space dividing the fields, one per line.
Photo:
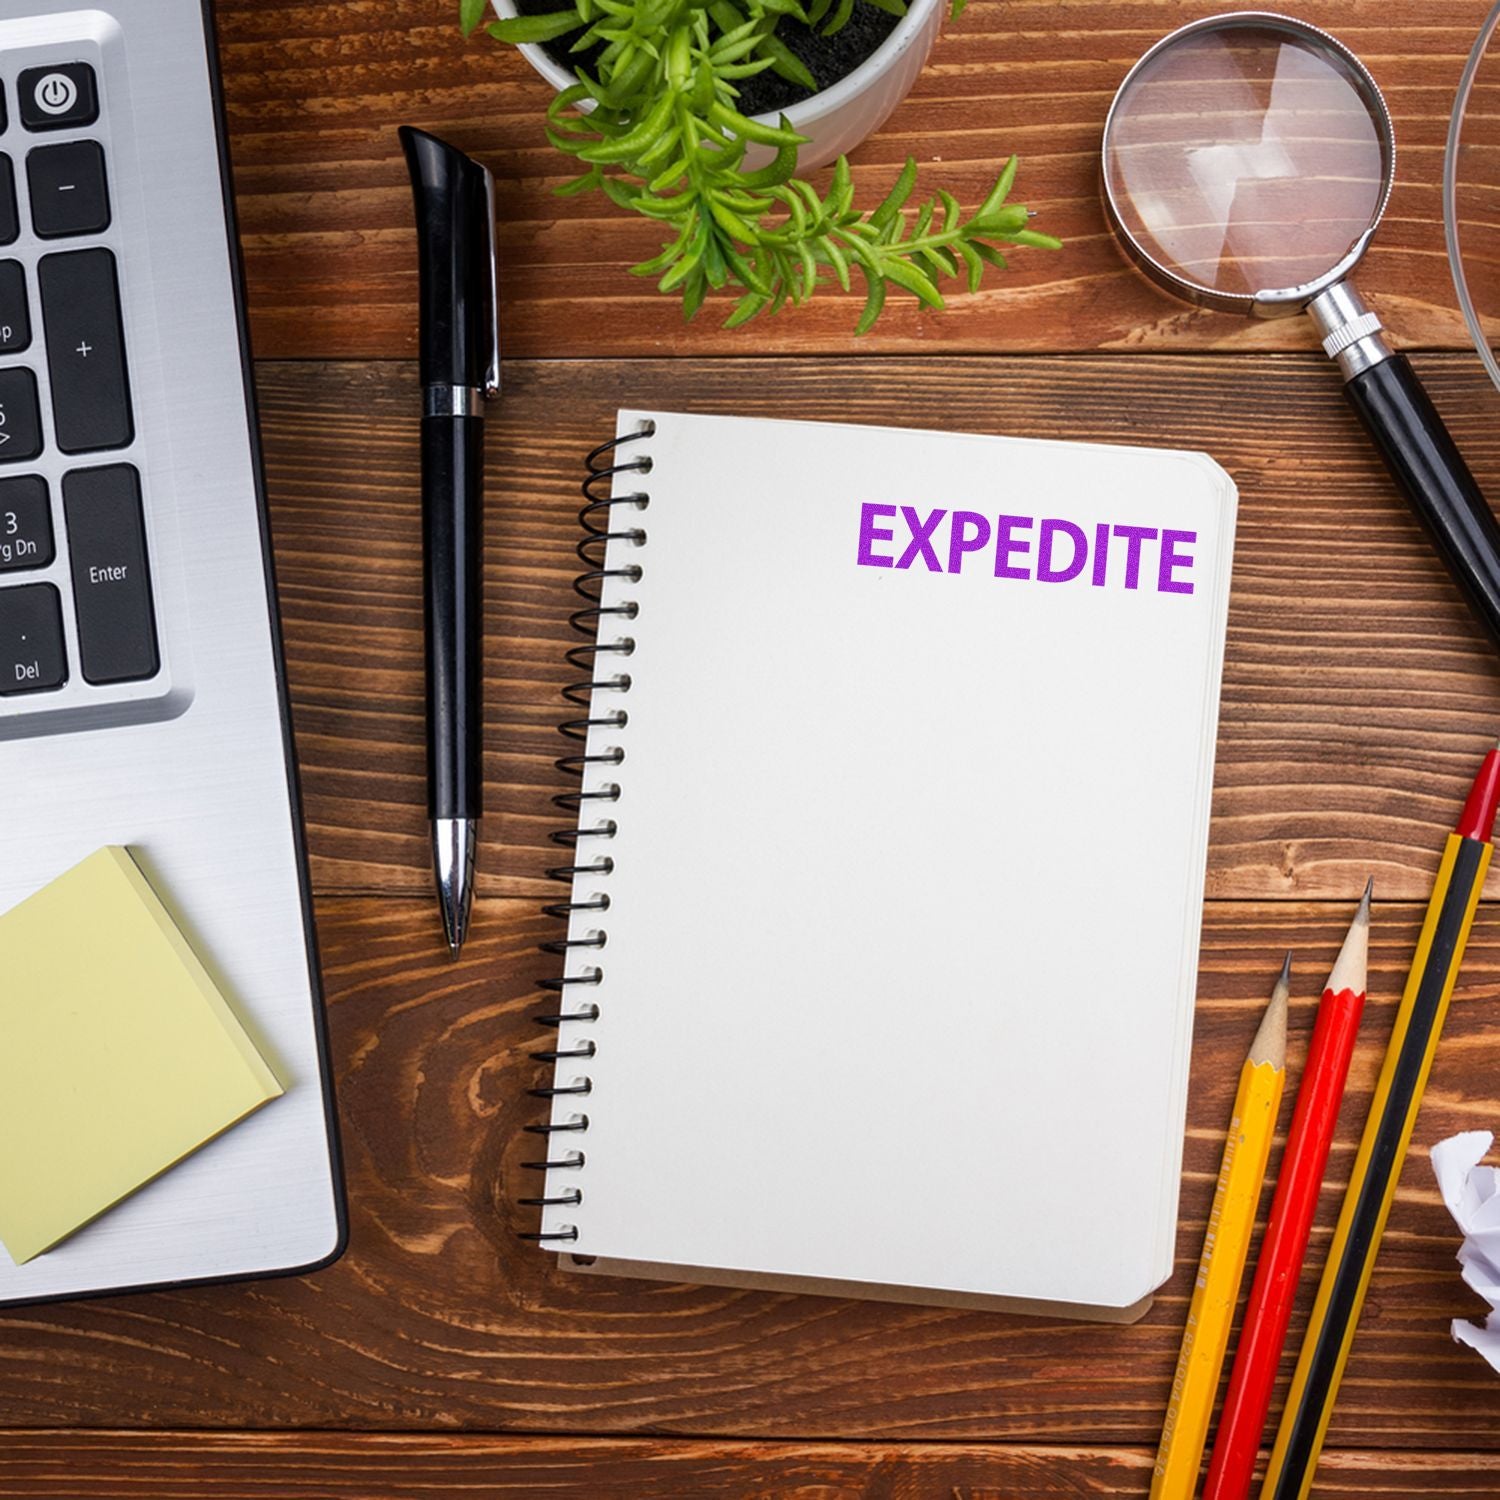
x=1247 y=161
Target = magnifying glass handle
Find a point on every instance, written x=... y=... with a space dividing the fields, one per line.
x=1425 y=462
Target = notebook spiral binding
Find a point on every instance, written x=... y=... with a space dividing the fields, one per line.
x=605 y=465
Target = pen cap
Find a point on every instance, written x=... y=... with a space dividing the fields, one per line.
x=455 y=248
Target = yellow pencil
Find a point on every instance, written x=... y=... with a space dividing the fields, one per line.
x=1226 y=1246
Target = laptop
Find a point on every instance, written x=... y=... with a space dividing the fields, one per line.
x=142 y=692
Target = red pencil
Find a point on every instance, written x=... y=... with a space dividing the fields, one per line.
x=1269 y=1309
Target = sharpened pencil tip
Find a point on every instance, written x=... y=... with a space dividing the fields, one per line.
x=1269 y=1045
x=1352 y=964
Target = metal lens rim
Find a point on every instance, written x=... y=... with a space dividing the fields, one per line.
x=1269 y=302
x=1450 y=195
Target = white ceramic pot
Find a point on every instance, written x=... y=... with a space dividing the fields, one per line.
x=839 y=118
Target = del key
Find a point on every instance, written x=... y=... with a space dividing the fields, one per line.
x=85 y=350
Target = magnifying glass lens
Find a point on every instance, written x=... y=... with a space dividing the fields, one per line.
x=1246 y=159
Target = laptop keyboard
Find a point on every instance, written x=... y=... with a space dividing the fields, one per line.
x=60 y=314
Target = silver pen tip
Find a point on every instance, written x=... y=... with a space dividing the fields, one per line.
x=453 y=847
x=455 y=928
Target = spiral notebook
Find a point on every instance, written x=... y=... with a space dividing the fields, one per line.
x=888 y=871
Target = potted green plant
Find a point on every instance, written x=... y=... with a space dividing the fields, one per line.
x=655 y=105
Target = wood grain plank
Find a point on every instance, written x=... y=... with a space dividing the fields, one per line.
x=315 y=92
x=1357 y=693
x=387 y=1466
x=438 y=1318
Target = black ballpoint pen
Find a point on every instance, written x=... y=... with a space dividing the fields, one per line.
x=460 y=371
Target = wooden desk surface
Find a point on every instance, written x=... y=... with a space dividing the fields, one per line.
x=440 y=1356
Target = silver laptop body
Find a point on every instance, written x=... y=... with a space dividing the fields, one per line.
x=142 y=696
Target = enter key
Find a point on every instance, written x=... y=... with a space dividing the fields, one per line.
x=111 y=574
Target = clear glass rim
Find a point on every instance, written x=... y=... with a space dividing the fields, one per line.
x=1450 y=195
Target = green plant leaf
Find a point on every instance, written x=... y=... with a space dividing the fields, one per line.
x=970 y=257
x=564 y=100
x=668 y=255
x=809 y=269
x=840 y=190
x=786 y=62
x=1011 y=218
x=941 y=260
x=839 y=262
x=777 y=171
x=637 y=139
x=576 y=185
x=746 y=270
x=628 y=77
x=618 y=191
x=746 y=205
x=679 y=273
x=731 y=223
x=662 y=208
x=841 y=15
x=904 y=274
x=470 y=14
x=874 y=301
x=1001 y=190
x=714 y=266
x=669 y=176
x=1036 y=239
x=745 y=70
x=810 y=197
x=894 y=201
x=691 y=263
x=668 y=140
x=746 y=308
x=747 y=129
x=534 y=28
x=735 y=44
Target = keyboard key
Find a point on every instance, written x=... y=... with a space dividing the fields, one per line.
x=32 y=656
x=85 y=350
x=68 y=192
x=111 y=577
x=10 y=218
x=15 y=314
x=20 y=417
x=57 y=96
x=25 y=523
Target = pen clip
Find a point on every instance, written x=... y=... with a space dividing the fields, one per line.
x=492 y=371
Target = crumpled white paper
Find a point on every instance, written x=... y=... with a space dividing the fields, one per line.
x=1472 y=1193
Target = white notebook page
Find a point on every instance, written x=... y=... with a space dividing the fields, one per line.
x=908 y=871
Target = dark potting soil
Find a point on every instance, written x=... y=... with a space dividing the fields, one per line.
x=827 y=58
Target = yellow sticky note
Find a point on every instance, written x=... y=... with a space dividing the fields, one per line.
x=119 y=1056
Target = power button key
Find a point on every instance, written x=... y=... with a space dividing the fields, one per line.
x=58 y=96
